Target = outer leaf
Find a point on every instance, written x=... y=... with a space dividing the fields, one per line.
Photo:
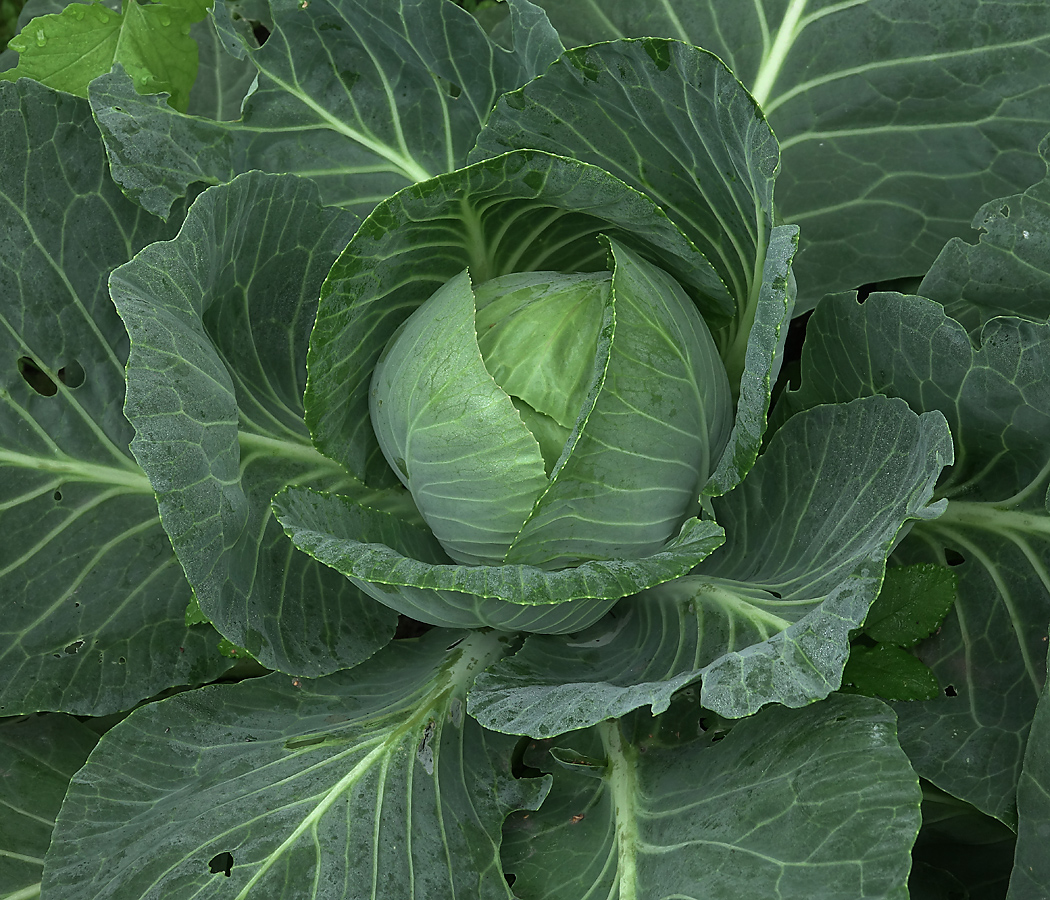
x=989 y=654
x=406 y=569
x=1007 y=272
x=819 y=802
x=363 y=784
x=150 y=40
x=363 y=97
x=223 y=80
x=84 y=565
x=219 y=320
x=1031 y=876
x=869 y=99
x=38 y=756
x=767 y=618
x=521 y=212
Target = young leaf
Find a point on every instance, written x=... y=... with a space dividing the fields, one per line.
x=219 y=320
x=879 y=174
x=766 y=618
x=151 y=41
x=913 y=601
x=370 y=782
x=93 y=598
x=890 y=673
x=817 y=802
x=38 y=756
x=989 y=654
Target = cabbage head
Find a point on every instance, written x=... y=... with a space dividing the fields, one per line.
x=517 y=360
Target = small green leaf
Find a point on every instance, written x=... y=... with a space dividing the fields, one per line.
x=151 y=41
x=911 y=605
x=891 y=673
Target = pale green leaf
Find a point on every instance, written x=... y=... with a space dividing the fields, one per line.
x=521 y=212
x=152 y=41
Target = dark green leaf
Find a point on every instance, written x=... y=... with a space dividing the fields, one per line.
x=371 y=782
x=896 y=118
x=363 y=97
x=223 y=80
x=1007 y=272
x=38 y=756
x=794 y=804
x=911 y=605
x=93 y=599
x=765 y=619
x=890 y=673
x=995 y=533
x=1031 y=875
x=219 y=321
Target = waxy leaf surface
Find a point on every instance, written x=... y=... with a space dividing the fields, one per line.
x=38 y=756
x=219 y=320
x=794 y=804
x=767 y=617
x=362 y=97
x=995 y=532
x=92 y=596
x=366 y=783
x=896 y=118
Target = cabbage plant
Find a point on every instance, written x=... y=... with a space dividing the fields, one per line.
x=446 y=453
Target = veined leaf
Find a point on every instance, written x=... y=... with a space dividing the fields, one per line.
x=796 y=804
x=706 y=156
x=362 y=97
x=219 y=320
x=896 y=119
x=92 y=597
x=151 y=41
x=766 y=618
x=367 y=783
x=1007 y=272
x=1031 y=875
x=38 y=757
x=406 y=569
x=995 y=532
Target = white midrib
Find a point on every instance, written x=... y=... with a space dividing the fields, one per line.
x=132 y=478
x=623 y=787
x=476 y=652
x=994 y=518
x=773 y=60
